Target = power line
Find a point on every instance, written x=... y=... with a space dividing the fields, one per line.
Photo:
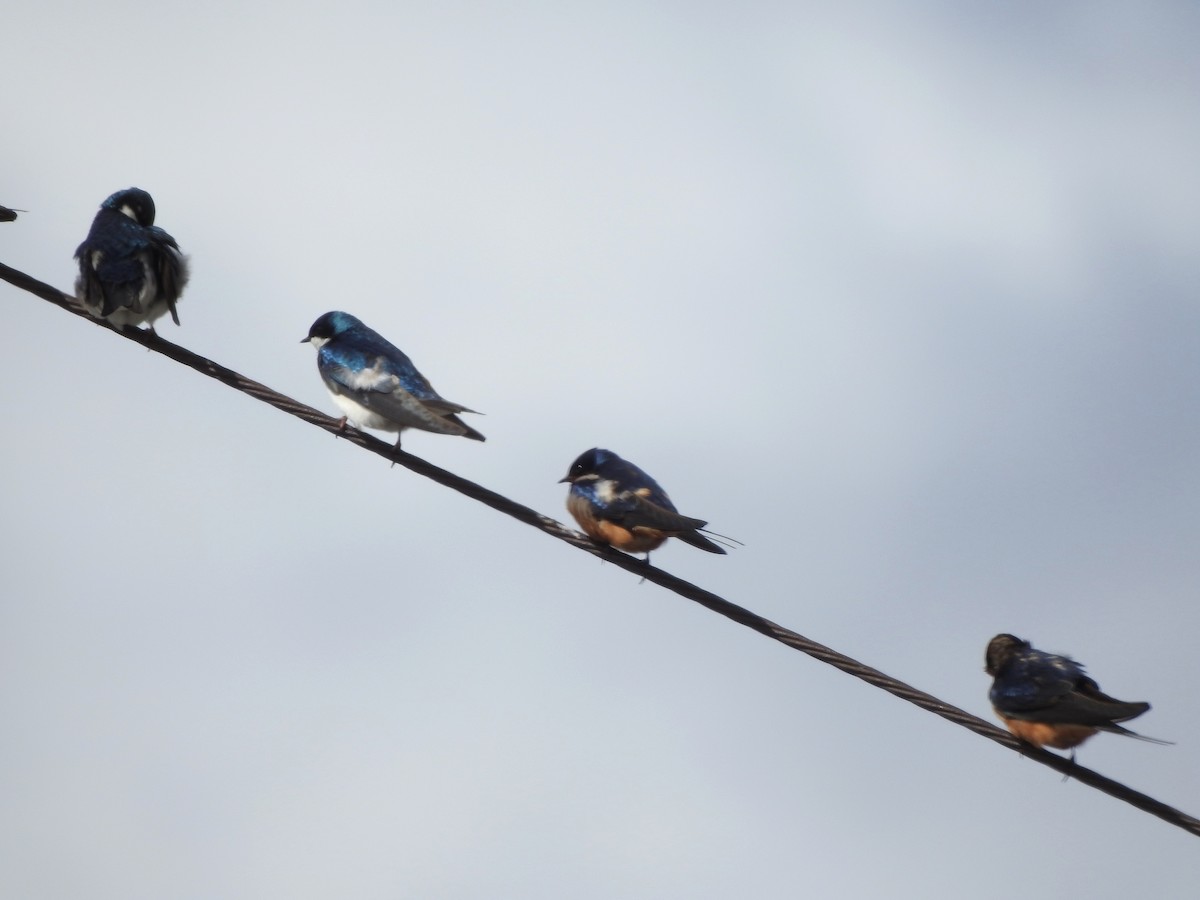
x=556 y=529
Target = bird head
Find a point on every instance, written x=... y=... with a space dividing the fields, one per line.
x=586 y=464
x=133 y=202
x=1000 y=650
x=329 y=326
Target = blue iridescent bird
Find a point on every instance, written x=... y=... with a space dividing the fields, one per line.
x=130 y=271
x=1048 y=701
x=376 y=385
x=618 y=504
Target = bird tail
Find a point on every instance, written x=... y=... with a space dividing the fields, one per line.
x=696 y=539
x=1119 y=729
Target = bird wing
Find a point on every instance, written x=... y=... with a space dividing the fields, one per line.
x=1033 y=682
x=633 y=509
x=169 y=266
x=110 y=275
x=1088 y=705
x=1043 y=687
x=1077 y=708
x=381 y=389
x=360 y=373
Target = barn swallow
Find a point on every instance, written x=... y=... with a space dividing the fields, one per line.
x=1048 y=701
x=9 y=215
x=618 y=504
x=130 y=271
x=376 y=385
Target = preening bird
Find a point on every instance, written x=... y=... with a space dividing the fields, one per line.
x=130 y=271
x=1047 y=700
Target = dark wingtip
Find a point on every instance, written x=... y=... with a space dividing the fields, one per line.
x=1132 y=709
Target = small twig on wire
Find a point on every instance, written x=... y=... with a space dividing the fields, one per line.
x=664 y=579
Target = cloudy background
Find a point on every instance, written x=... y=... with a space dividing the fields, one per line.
x=902 y=296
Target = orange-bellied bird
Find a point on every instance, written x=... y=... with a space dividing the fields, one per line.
x=618 y=504
x=1048 y=701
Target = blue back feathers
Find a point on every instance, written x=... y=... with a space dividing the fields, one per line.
x=353 y=346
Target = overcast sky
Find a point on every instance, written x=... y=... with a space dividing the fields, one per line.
x=903 y=296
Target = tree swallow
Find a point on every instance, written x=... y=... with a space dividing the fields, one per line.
x=130 y=271
x=376 y=385
x=618 y=504
x=1048 y=701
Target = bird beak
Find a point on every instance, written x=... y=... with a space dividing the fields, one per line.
x=564 y=479
x=306 y=340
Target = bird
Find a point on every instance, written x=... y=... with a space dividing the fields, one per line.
x=130 y=271
x=9 y=215
x=618 y=504
x=376 y=385
x=1047 y=700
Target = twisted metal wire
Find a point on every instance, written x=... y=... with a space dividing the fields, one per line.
x=742 y=616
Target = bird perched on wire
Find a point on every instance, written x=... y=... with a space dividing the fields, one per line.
x=9 y=215
x=1048 y=701
x=130 y=271
x=376 y=385
x=618 y=504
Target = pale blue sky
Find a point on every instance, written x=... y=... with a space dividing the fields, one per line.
x=903 y=296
